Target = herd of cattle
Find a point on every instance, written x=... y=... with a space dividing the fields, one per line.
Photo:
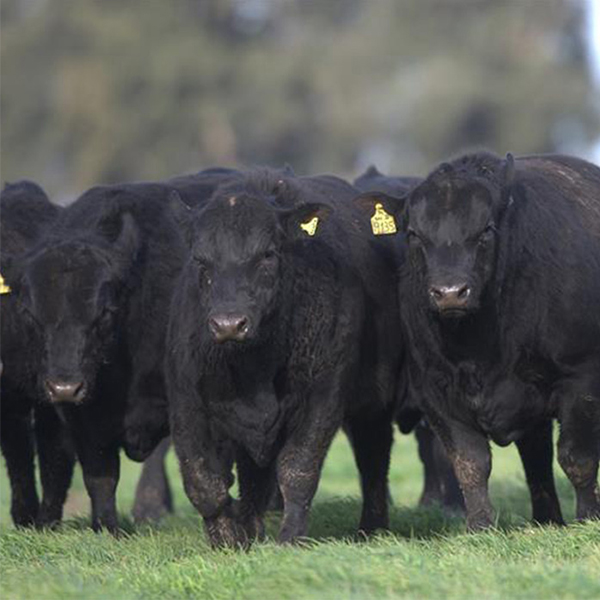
x=252 y=314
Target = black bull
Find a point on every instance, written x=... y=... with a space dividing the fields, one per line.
x=500 y=300
x=280 y=334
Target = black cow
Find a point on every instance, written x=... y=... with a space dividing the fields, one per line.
x=503 y=289
x=440 y=484
x=276 y=339
x=26 y=212
x=98 y=289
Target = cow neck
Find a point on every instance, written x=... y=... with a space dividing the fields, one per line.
x=473 y=338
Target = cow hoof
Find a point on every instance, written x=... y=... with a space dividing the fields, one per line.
x=479 y=522
x=226 y=532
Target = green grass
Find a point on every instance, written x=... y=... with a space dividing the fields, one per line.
x=425 y=556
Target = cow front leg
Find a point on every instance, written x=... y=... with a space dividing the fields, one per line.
x=100 y=467
x=536 y=451
x=17 y=447
x=206 y=481
x=470 y=455
x=300 y=461
x=57 y=459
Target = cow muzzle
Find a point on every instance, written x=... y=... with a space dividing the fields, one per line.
x=72 y=392
x=451 y=300
x=229 y=327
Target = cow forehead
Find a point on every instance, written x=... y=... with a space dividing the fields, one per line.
x=236 y=228
x=452 y=212
x=67 y=285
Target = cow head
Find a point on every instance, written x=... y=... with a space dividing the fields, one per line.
x=451 y=222
x=72 y=292
x=238 y=246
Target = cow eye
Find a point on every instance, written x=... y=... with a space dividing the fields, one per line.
x=412 y=235
x=488 y=234
x=269 y=255
x=203 y=270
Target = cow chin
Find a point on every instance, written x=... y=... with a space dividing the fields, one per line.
x=453 y=314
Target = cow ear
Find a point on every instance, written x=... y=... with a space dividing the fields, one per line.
x=508 y=179
x=182 y=213
x=384 y=212
x=372 y=171
x=288 y=170
x=304 y=220
x=119 y=228
x=128 y=239
x=508 y=170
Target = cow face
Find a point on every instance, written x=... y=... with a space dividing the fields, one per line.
x=239 y=245
x=72 y=292
x=452 y=233
x=451 y=222
x=451 y=225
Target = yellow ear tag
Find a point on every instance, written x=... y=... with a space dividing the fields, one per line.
x=4 y=289
x=311 y=226
x=382 y=223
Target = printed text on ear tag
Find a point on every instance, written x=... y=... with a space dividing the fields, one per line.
x=4 y=289
x=311 y=226
x=382 y=223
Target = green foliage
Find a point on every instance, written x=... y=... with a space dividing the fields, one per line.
x=101 y=91
x=427 y=555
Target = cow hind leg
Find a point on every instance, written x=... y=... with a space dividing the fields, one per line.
x=18 y=450
x=371 y=439
x=57 y=459
x=578 y=452
x=256 y=491
x=536 y=453
x=432 y=489
x=153 y=498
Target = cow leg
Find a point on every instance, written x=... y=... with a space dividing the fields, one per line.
x=256 y=490
x=371 y=438
x=153 y=498
x=101 y=475
x=432 y=488
x=206 y=469
x=17 y=447
x=57 y=459
x=536 y=451
x=453 y=502
x=469 y=452
x=578 y=450
x=206 y=480
x=301 y=459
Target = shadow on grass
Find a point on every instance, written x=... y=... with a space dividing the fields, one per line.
x=338 y=518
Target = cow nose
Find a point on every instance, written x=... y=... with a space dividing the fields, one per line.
x=229 y=327
x=65 y=391
x=450 y=297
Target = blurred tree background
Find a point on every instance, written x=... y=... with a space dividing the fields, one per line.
x=110 y=90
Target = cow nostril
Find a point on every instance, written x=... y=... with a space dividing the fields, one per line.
x=436 y=293
x=464 y=292
x=242 y=325
x=214 y=325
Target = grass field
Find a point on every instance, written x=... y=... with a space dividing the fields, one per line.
x=425 y=556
